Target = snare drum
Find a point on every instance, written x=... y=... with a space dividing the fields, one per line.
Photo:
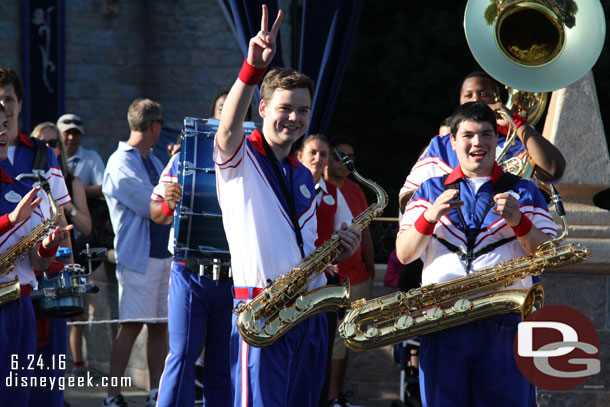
x=59 y=295
x=198 y=228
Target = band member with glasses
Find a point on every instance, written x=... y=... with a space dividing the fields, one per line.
x=267 y=201
x=359 y=268
x=504 y=217
x=22 y=211
x=331 y=211
x=143 y=261
x=439 y=158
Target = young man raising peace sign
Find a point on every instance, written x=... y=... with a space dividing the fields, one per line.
x=267 y=201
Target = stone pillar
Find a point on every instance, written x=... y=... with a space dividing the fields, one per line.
x=574 y=125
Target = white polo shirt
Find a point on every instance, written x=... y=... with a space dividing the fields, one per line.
x=256 y=214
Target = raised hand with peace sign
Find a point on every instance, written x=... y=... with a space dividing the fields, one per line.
x=262 y=46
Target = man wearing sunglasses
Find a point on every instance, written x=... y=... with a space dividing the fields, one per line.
x=84 y=164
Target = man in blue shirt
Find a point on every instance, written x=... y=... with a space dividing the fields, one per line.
x=143 y=261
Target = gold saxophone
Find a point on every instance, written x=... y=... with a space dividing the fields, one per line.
x=400 y=316
x=286 y=302
x=10 y=291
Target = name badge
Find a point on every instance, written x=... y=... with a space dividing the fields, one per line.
x=12 y=197
x=329 y=200
x=305 y=191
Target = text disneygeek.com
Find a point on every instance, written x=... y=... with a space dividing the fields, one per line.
x=60 y=383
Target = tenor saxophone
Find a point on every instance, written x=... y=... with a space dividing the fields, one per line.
x=20 y=249
x=400 y=316
x=287 y=302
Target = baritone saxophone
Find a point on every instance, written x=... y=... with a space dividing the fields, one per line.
x=10 y=291
x=287 y=302
x=401 y=316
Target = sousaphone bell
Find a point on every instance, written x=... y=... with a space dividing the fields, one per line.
x=535 y=46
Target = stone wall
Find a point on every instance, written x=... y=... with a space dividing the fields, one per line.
x=180 y=52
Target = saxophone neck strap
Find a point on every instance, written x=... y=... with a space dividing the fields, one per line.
x=288 y=195
x=505 y=183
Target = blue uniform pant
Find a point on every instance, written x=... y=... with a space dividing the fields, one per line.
x=53 y=354
x=290 y=372
x=198 y=308
x=473 y=365
x=17 y=351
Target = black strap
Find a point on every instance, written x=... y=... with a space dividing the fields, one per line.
x=469 y=258
x=506 y=182
x=289 y=196
x=40 y=158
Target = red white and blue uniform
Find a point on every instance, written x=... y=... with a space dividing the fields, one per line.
x=439 y=158
x=263 y=245
x=473 y=364
x=198 y=307
x=17 y=321
x=23 y=160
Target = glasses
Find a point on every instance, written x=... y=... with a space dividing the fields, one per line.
x=160 y=121
x=53 y=143
x=71 y=121
x=350 y=156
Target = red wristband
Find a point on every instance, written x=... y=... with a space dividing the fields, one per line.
x=165 y=209
x=423 y=226
x=42 y=252
x=251 y=75
x=519 y=120
x=524 y=226
x=5 y=224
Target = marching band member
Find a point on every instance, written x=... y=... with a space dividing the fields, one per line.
x=475 y=206
x=439 y=158
x=23 y=212
x=331 y=211
x=198 y=307
x=267 y=202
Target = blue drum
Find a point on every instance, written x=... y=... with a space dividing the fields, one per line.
x=198 y=228
x=59 y=295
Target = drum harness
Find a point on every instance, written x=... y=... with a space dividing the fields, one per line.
x=505 y=183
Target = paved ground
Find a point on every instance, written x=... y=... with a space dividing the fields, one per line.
x=93 y=396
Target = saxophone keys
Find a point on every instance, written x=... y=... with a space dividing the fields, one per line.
x=303 y=303
x=372 y=332
x=254 y=327
x=272 y=328
x=462 y=305
x=404 y=322
x=434 y=313
x=347 y=330
x=289 y=314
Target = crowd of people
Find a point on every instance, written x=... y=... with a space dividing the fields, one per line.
x=281 y=196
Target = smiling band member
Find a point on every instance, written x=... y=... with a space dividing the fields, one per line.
x=269 y=215
x=469 y=211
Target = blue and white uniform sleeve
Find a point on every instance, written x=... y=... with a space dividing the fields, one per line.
x=168 y=176
x=56 y=179
x=435 y=161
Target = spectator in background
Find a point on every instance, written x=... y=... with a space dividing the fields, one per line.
x=143 y=261
x=84 y=164
x=359 y=268
x=77 y=214
x=89 y=167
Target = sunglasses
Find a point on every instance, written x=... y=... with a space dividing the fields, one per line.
x=70 y=121
x=53 y=143
x=160 y=121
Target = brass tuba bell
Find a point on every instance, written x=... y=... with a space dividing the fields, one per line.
x=536 y=45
